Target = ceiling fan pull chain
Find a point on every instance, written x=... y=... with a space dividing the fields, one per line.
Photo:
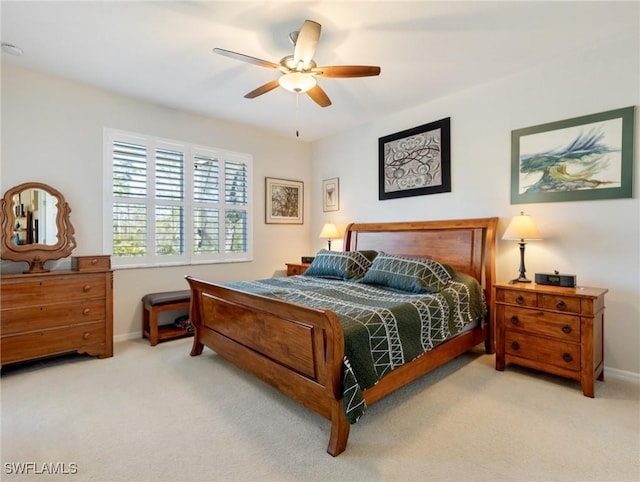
x=297 y=116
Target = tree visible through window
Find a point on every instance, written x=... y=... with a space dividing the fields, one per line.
x=175 y=203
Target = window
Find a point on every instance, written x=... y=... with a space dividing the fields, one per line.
x=169 y=202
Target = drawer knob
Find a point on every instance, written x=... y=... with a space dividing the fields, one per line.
x=515 y=345
x=86 y=335
x=566 y=329
x=561 y=305
x=86 y=288
x=520 y=299
x=86 y=311
x=567 y=357
x=94 y=260
x=514 y=319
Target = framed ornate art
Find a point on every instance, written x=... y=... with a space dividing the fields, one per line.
x=583 y=158
x=331 y=194
x=284 y=203
x=415 y=161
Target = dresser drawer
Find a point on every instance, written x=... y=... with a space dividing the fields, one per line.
x=45 y=289
x=520 y=298
x=550 y=352
x=91 y=263
x=38 y=317
x=54 y=341
x=538 y=322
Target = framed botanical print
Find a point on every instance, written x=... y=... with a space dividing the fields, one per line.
x=284 y=203
x=331 y=194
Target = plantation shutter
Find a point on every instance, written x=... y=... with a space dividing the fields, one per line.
x=206 y=197
x=169 y=196
x=236 y=196
x=129 y=194
x=168 y=202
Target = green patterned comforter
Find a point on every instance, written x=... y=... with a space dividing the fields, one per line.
x=383 y=328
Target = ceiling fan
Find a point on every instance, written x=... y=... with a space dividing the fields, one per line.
x=299 y=71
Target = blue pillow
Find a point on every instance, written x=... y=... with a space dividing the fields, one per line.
x=415 y=275
x=344 y=265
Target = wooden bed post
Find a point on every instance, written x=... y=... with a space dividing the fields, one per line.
x=194 y=318
x=339 y=430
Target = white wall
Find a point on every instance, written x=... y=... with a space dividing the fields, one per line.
x=52 y=132
x=596 y=240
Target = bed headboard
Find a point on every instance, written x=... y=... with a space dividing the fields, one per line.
x=467 y=245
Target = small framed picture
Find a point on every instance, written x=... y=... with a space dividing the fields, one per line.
x=284 y=203
x=331 y=194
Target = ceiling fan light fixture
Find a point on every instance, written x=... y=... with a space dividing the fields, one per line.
x=297 y=82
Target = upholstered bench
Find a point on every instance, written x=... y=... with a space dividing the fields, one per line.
x=155 y=303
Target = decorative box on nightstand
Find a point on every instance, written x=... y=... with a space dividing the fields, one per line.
x=553 y=329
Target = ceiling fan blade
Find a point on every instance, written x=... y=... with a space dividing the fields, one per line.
x=346 y=71
x=247 y=58
x=263 y=89
x=306 y=43
x=319 y=96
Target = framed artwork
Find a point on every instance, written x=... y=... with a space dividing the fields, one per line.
x=416 y=161
x=284 y=202
x=584 y=158
x=331 y=194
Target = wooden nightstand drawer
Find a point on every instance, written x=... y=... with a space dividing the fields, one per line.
x=557 y=353
x=294 y=269
x=560 y=303
x=538 y=322
x=519 y=298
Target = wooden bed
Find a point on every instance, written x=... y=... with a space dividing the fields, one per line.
x=300 y=350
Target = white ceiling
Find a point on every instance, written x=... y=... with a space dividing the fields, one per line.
x=161 y=51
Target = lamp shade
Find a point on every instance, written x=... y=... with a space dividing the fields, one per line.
x=522 y=227
x=329 y=231
x=297 y=81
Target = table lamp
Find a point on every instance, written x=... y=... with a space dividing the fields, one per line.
x=329 y=232
x=522 y=228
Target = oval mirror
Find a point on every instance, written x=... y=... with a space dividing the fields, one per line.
x=35 y=225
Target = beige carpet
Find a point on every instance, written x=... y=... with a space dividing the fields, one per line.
x=158 y=414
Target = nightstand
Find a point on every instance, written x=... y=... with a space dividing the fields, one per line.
x=296 y=268
x=553 y=329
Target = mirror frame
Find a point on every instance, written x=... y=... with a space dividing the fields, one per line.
x=36 y=254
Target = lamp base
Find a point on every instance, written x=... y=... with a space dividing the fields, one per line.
x=520 y=279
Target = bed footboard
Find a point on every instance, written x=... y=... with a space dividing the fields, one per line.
x=297 y=350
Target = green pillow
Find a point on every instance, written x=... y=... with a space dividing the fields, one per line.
x=344 y=265
x=415 y=275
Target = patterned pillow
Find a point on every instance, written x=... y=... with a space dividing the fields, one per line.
x=416 y=275
x=343 y=265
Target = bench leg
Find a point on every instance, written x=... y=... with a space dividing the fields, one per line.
x=150 y=324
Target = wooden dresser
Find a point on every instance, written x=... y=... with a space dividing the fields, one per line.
x=552 y=329
x=57 y=312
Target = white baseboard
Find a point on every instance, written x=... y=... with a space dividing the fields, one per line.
x=127 y=336
x=621 y=374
